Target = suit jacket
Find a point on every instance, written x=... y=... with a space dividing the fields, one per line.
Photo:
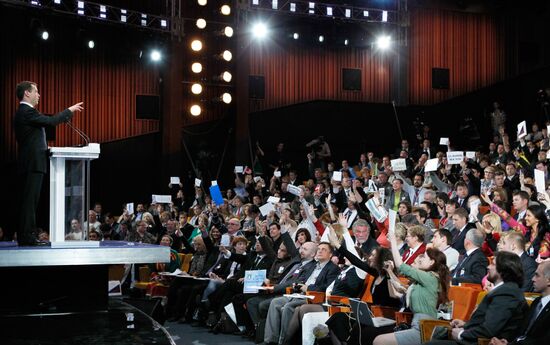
x=498 y=315
x=302 y=274
x=389 y=198
x=410 y=259
x=529 y=267
x=29 y=126
x=471 y=269
x=538 y=333
x=464 y=202
x=328 y=274
x=458 y=238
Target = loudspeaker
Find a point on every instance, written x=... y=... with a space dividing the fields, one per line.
x=256 y=86
x=351 y=79
x=150 y=306
x=440 y=78
x=147 y=107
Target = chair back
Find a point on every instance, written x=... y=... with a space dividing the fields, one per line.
x=464 y=301
x=366 y=296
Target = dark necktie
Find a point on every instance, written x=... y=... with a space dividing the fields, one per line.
x=416 y=192
x=257 y=261
x=534 y=316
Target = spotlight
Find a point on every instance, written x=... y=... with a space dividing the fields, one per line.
x=383 y=42
x=384 y=16
x=259 y=30
x=295 y=36
x=91 y=44
x=346 y=42
x=228 y=31
x=348 y=13
x=195 y=110
x=201 y=23
x=202 y=2
x=225 y=10
x=321 y=38
x=226 y=98
x=196 y=89
x=226 y=76
x=45 y=35
x=292 y=7
x=274 y=4
x=329 y=11
x=196 y=45
x=123 y=15
x=156 y=55
x=227 y=56
x=196 y=67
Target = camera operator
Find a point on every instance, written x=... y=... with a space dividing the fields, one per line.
x=320 y=152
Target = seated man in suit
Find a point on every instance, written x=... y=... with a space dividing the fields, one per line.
x=461 y=227
x=514 y=242
x=282 y=308
x=501 y=310
x=534 y=329
x=473 y=266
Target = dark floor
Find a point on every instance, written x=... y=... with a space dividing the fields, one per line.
x=184 y=334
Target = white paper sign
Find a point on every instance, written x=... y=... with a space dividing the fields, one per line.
x=174 y=180
x=471 y=154
x=162 y=199
x=444 y=141
x=548 y=130
x=399 y=164
x=522 y=129
x=214 y=183
x=337 y=176
x=392 y=217
x=225 y=241
x=455 y=157
x=382 y=193
x=372 y=187
x=548 y=154
x=277 y=173
x=292 y=189
x=257 y=178
x=431 y=164
x=130 y=207
x=273 y=199
x=376 y=210
x=265 y=209
x=239 y=169
x=540 y=181
x=198 y=182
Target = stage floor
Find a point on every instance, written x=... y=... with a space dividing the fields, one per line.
x=108 y=252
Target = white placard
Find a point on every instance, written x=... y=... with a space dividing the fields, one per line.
x=431 y=164
x=382 y=193
x=277 y=173
x=198 y=182
x=548 y=130
x=522 y=129
x=337 y=176
x=548 y=154
x=239 y=169
x=399 y=164
x=214 y=182
x=292 y=189
x=162 y=199
x=273 y=199
x=265 y=209
x=392 y=218
x=225 y=241
x=471 y=154
x=257 y=178
x=540 y=181
x=130 y=207
x=455 y=157
x=174 y=180
x=444 y=141
x=372 y=187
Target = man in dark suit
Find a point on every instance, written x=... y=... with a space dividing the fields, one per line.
x=534 y=329
x=32 y=162
x=361 y=233
x=461 y=197
x=501 y=310
x=514 y=242
x=473 y=266
x=461 y=227
x=281 y=309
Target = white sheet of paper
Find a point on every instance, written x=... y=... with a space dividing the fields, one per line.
x=130 y=207
x=431 y=164
x=522 y=129
x=337 y=176
x=471 y=154
x=292 y=189
x=162 y=199
x=455 y=157
x=239 y=169
x=198 y=182
x=214 y=183
x=540 y=181
x=277 y=173
x=548 y=154
x=265 y=209
x=230 y=310
x=392 y=217
x=444 y=141
x=382 y=193
x=273 y=199
x=225 y=241
x=174 y=180
x=399 y=164
x=256 y=179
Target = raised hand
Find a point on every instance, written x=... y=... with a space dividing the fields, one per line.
x=76 y=107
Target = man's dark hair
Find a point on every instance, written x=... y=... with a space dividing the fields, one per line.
x=461 y=184
x=254 y=209
x=276 y=224
x=22 y=87
x=522 y=194
x=421 y=212
x=421 y=176
x=409 y=219
x=447 y=234
x=461 y=212
x=509 y=267
x=328 y=244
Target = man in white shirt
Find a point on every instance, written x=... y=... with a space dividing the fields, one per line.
x=441 y=240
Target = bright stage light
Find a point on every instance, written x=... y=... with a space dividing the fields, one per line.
x=226 y=98
x=156 y=55
x=295 y=35
x=259 y=30
x=226 y=76
x=201 y=23
x=202 y=2
x=45 y=35
x=196 y=88
x=196 y=67
x=346 y=42
x=196 y=45
x=91 y=44
x=228 y=31
x=321 y=38
x=195 y=110
x=226 y=55
x=383 y=42
x=225 y=10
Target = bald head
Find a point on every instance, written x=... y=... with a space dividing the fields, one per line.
x=308 y=250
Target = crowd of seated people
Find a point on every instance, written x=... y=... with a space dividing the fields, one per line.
x=481 y=223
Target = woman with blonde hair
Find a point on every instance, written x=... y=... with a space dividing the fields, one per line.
x=491 y=226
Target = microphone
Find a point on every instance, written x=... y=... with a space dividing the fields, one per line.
x=79 y=132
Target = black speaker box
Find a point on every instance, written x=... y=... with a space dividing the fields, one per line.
x=351 y=79
x=440 y=78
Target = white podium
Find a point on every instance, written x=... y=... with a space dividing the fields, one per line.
x=70 y=188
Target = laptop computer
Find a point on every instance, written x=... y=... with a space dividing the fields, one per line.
x=364 y=315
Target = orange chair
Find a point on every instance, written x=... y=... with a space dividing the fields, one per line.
x=144 y=278
x=464 y=301
x=318 y=297
x=436 y=222
x=185 y=260
x=471 y=286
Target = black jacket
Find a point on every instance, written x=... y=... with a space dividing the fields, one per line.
x=538 y=333
x=471 y=269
